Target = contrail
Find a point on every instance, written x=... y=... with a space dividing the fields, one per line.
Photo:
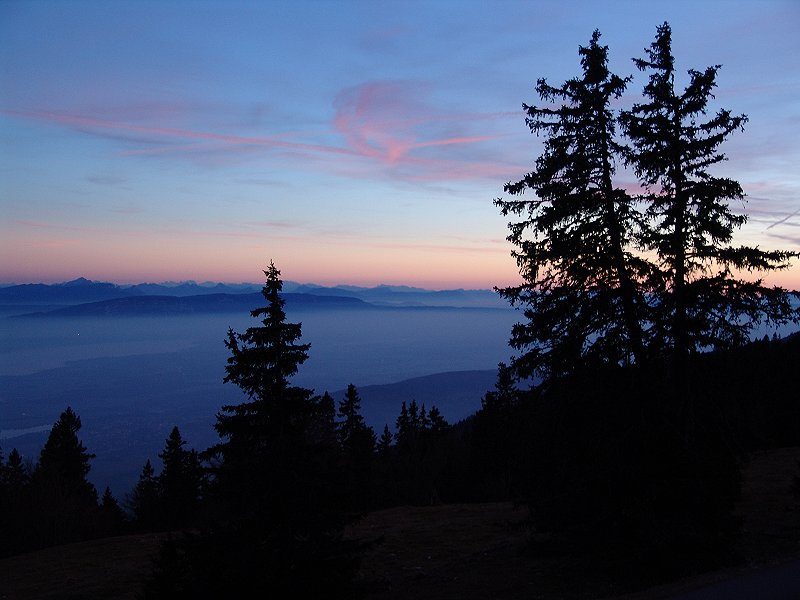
x=797 y=212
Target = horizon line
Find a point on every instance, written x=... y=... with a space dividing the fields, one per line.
x=173 y=283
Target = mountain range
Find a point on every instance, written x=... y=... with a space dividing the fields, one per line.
x=85 y=297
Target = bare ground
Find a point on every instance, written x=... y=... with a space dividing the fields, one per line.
x=463 y=552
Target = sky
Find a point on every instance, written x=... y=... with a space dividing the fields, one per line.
x=352 y=142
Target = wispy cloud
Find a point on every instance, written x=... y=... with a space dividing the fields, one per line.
x=160 y=134
x=391 y=125
x=390 y=122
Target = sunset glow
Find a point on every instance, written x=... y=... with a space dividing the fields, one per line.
x=352 y=143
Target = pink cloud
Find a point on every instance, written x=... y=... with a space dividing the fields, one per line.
x=388 y=124
x=387 y=121
x=161 y=134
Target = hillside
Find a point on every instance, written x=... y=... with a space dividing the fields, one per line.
x=463 y=552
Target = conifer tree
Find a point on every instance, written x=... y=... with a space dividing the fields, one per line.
x=354 y=435
x=424 y=419
x=179 y=482
x=112 y=518
x=403 y=426
x=357 y=441
x=419 y=452
x=584 y=284
x=385 y=441
x=64 y=462
x=15 y=509
x=63 y=497
x=276 y=508
x=436 y=424
x=14 y=474
x=262 y=361
x=144 y=501
x=609 y=280
x=322 y=429
x=701 y=301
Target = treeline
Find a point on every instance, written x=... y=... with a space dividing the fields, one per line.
x=597 y=459
x=606 y=465
x=51 y=501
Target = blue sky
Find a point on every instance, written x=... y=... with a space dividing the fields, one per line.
x=351 y=142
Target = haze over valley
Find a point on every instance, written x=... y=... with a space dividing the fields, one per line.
x=132 y=365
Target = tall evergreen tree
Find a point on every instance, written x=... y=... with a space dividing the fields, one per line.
x=437 y=425
x=355 y=436
x=64 y=461
x=15 y=509
x=322 y=429
x=262 y=361
x=179 y=482
x=63 y=497
x=583 y=289
x=701 y=301
x=144 y=501
x=262 y=435
x=14 y=474
x=111 y=516
x=419 y=452
x=357 y=441
x=384 y=443
x=493 y=437
x=610 y=279
x=277 y=513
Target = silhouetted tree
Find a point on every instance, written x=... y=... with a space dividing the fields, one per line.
x=264 y=435
x=699 y=301
x=63 y=498
x=179 y=482
x=144 y=501
x=262 y=361
x=385 y=484
x=403 y=426
x=493 y=438
x=355 y=436
x=436 y=423
x=583 y=289
x=357 y=441
x=419 y=452
x=15 y=509
x=322 y=429
x=613 y=285
x=13 y=474
x=278 y=514
x=384 y=444
x=64 y=461
x=111 y=517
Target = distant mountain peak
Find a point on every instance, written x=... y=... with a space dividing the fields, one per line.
x=78 y=282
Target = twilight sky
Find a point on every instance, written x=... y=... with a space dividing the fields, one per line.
x=351 y=142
